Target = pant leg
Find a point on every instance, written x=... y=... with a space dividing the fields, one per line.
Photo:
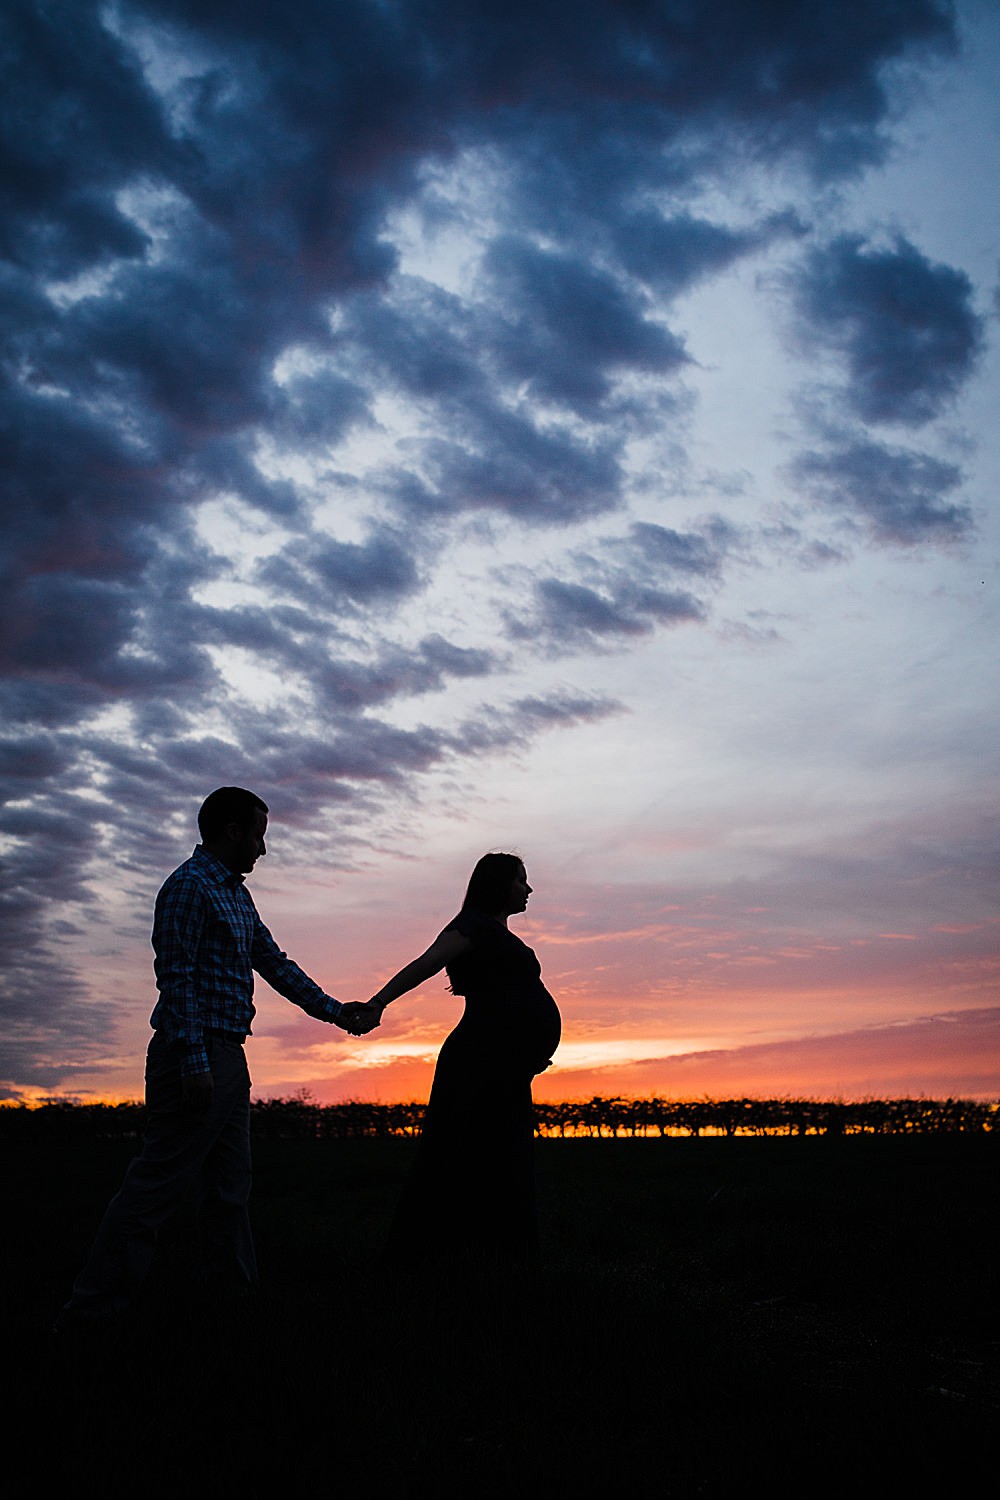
x=175 y=1147
x=223 y=1188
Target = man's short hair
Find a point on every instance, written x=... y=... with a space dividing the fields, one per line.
x=227 y=804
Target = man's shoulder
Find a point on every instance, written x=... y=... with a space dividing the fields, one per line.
x=194 y=874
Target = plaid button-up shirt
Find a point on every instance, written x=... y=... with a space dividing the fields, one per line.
x=207 y=941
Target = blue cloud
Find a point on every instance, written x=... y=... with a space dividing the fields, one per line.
x=899 y=494
x=570 y=328
x=904 y=325
x=627 y=587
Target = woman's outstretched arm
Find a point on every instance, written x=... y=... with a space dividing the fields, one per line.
x=442 y=951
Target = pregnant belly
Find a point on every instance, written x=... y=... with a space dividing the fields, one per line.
x=520 y=1029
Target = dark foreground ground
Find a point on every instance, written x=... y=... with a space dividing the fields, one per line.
x=710 y=1316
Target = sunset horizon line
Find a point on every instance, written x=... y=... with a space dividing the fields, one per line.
x=306 y=1098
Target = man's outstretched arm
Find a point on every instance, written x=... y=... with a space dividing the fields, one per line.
x=284 y=975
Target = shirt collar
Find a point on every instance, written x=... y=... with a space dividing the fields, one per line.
x=215 y=869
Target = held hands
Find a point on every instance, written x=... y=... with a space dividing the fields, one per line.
x=358 y=1019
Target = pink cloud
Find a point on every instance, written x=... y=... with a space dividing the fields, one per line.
x=956 y=1054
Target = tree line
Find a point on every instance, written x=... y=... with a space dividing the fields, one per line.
x=301 y=1117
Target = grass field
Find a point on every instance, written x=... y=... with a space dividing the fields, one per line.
x=709 y=1314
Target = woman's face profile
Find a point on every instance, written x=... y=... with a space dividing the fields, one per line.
x=520 y=890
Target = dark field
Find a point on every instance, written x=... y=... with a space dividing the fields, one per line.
x=709 y=1315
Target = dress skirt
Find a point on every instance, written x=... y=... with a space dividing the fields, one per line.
x=471 y=1190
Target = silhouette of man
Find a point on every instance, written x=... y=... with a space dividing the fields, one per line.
x=207 y=941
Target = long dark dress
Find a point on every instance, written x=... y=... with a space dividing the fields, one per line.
x=472 y=1187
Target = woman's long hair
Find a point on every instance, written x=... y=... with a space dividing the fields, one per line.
x=490 y=882
x=489 y=888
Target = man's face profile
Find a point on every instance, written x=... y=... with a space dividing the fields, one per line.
x=246 y=843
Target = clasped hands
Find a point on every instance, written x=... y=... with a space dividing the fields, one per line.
x=358 y=1018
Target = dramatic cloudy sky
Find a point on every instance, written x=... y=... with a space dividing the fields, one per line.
x=472 y=423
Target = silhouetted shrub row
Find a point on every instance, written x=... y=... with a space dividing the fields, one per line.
x=302 y=1118
x=663 y=1117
